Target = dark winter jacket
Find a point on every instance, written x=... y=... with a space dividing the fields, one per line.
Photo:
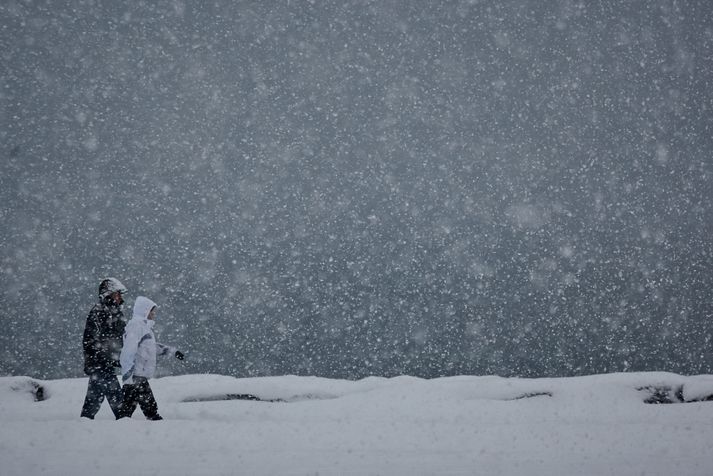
x=103 y=338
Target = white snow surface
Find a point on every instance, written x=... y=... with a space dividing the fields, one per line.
x=594 y=425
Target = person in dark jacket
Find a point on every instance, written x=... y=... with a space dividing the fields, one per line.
x=103 y=338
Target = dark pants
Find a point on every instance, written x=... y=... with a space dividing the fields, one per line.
x=139 y=393
x=102 y=385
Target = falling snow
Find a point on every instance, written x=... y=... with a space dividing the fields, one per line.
x=358 y=188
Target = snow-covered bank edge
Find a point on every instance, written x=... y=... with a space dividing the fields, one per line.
x=647 y=387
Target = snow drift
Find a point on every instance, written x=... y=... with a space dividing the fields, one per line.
x=306 y=425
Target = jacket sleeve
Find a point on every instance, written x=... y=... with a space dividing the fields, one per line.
x=92 y=330
x=97 y=356
x=162 y=349
x=128 y=352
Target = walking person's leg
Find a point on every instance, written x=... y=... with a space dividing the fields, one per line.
x=94 y=398
x=129 y=400
x=147 y=402
x=115 y=396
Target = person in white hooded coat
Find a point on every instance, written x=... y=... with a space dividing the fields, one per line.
x=138 y=360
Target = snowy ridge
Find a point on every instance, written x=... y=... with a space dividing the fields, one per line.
x=404 y=425
x=207 y=387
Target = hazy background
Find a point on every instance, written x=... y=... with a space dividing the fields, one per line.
x=362 y=188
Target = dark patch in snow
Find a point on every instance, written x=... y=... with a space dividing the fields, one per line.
x=218 y=398
x=33 y=388
x=249 y=397
x=531 y=395
x=669 y=394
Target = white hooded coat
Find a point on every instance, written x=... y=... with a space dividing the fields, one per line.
x=138 y=356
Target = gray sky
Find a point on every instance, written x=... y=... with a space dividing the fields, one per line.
x=355 y=188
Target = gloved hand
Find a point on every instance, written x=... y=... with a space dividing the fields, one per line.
x=179 y=355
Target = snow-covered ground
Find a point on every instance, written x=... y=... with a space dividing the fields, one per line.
x=596 y=425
